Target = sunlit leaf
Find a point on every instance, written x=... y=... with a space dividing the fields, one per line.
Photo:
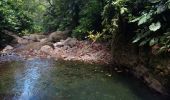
x=153 y=41
x=155 y=26
x=144 y=18
x=123 y=10
x=135 y=20
x=136 y=39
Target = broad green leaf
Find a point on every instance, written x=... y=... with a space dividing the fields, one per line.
x=123 y=10
x=155 y=26
x=144 y=18
x=135 y=20
x=153 y=41
x=136 y=39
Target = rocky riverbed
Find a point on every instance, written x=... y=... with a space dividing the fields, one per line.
x=69 y=49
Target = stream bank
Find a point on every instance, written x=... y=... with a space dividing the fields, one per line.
x=152 y=68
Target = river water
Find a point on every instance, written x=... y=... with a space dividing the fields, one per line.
x=46 y=79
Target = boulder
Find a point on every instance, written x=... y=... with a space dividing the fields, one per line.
x=34 y=37
x=44 y=40
x=22 y=41
x=47 y=49
x=7 y=49
x=68 y=42
x=58 y=44
x=58 y=35
x=25 y=37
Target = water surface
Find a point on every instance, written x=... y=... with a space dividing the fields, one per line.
x=45 y=79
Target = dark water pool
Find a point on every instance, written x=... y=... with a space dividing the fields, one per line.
x=45 y=79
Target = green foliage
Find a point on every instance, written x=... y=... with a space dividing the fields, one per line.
x=21 y=17
x=90 y=18
x=109 y=20
x=79 y=15
x=114 y=11
x=61 y=14
x=150 y=18
x=94 y=37
x=13 y=18
x=155 y=26
x=153 y=22
x=148 y=21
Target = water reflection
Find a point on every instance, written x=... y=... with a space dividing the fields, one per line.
x=31 y=78
x=27 y=80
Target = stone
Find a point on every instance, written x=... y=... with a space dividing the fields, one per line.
x=58 y=35
x=65 y=48
x=34 y=37
x=25 y=37
x=70 y=42
x=44 y=40
x=47 y=49
x=168 y=68
x=22 y=41
x=7 y=49
x=58 y=44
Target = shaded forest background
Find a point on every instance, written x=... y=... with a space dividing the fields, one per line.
x=146 y=22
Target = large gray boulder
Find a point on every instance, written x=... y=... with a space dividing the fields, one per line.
x=58 y=35
x=71 y=42
x=34 y=37
x=47 y=49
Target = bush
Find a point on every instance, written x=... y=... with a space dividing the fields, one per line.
x=90 y=19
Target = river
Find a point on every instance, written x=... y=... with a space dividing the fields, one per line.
x=46 y=79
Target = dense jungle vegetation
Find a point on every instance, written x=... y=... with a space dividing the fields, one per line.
x=146 y=21
x=138 y=31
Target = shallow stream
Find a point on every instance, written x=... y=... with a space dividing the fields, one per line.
x=46 y=79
